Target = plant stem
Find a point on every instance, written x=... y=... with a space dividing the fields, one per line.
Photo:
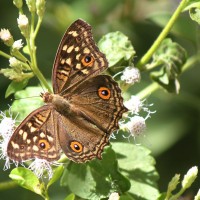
x=5 y=55
x=7 y=185
x=148 y=90
x=32 y=51
x=141 y=64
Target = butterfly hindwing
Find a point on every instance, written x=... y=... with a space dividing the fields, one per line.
x=78 y=58
x=35 y=137
x=81 y=140
x=99 y=100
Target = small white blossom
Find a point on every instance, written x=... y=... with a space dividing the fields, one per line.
x=136 y=126
x=131 y=75
x=134 y=104
x=114 y=196
x=190 y=177
x=39 y=166
x=23 y=25
x=17 y=44
x=22 y=20
x=6 y=36
x=7 y=127
x=13 y=62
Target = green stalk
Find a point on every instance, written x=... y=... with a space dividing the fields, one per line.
x=32 y=51
x=141 y=64
x=5 y=55
x=7 y=185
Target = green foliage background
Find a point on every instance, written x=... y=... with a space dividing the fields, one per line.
x=173 y=133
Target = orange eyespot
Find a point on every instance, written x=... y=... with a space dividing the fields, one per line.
x=87 y=60
x=104 y=93
x=44 y=145
x=76 y=146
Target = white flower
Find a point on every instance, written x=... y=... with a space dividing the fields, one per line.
x=6 y=36
x=7 y=127
x=136 y=126
x=190 y=177
x=13 y=62
x=131 y=75
x=134 y=104
x=23 y=25
x=22 y=20
x=17 y=44
x=114 y=196
x=39 y=166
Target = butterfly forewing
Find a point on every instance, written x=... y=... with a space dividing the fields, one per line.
x=78 y=58
x=35 y=137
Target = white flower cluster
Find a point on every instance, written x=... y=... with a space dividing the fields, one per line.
x=131 y=75
x=7 y=127
x=136 y=125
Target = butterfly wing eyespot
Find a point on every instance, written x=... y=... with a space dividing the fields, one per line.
x=76 y=146
x=87 y=60
x=104 y=93
x=44 y=144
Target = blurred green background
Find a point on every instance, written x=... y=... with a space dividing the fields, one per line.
x=173 y=132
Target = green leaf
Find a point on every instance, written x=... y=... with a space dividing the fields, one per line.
x=195 y=14
x=136 y=163
x=56 y=175
x=192 y=4
x=70 y=197
x=27 y=101
x=171 y=57
x=27 y=179
x=117 y=47
x=96 y=179
x=16 y=86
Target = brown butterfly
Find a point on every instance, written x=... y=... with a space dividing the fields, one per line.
x=83 y=111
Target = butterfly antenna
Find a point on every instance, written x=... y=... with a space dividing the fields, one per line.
x=27 y=97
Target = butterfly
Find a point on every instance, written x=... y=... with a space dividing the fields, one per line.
x=81 y=113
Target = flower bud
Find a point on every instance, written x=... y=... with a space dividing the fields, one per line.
x=40 y=6
x=6 y=37
x=23 y=25
x=189 y=177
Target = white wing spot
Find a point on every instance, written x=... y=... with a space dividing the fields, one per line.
x=86 y=51
x=21 y=132
x=28 y=141
x=73 y=33
x=35 y=138
x=42 y=135
x=69 y=50
x=25 y=134
x=78 y=66
x=64 y=48
x=35 y=148
x=15 y=145
x=77 y=49
x=68 y=61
